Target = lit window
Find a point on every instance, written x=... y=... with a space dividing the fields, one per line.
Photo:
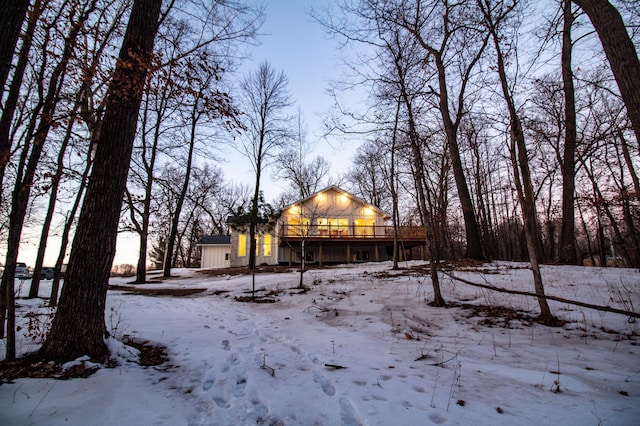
x=266 y=242
x=242 y=245
x=298 y=226
x=333 y=227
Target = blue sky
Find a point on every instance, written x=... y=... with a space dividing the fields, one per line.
x=295 y=44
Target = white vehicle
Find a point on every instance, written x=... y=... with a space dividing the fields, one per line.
x=22 y=270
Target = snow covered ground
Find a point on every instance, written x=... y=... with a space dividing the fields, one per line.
x=406 y=363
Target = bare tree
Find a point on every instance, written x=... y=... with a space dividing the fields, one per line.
x=26 y=174
x=305 y=175
x=495 y=16
x=205 y=103
x=10 y=23
x=78 y=327
x=13 y=15
x=620 y=51
x=442 y=28
x=567 y=252
x=265 y=99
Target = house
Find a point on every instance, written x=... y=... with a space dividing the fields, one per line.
x=331 y=226
x=334 y=226
x=216 y=251
x=266 y=244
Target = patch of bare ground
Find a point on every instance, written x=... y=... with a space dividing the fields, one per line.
x=467 y=265
x=149 y=354
x=245 y=271
x=145 y=291
x=32 y=366
x=263 y=296
x=501 y=316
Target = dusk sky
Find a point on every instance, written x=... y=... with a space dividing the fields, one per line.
x=294 y=43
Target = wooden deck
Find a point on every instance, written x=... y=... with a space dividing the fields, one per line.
x=291 y=233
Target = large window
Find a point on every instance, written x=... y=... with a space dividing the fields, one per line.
x=365 y=227
x=242 y=245
x=298 y=226
x=266 y=242
x=331 y=227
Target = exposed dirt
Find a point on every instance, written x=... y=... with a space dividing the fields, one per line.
x=33 y=367
x=145 y=291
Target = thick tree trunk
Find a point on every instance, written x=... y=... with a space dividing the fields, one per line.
x=621 y=54
x=79 y=326
x=567 y=252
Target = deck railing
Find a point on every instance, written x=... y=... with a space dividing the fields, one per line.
x=351 y=231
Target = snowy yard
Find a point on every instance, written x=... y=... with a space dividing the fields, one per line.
x=405 y=362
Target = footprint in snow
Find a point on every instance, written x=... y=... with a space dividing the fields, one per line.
x=437 y=418
x=226 y=345
x=220 y=396
x=259 y=407
x=241 y=384
x=234 y=359
x=348 y=414
x=208 y=383
x=325 y=384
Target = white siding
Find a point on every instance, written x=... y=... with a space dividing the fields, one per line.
x=213 y=256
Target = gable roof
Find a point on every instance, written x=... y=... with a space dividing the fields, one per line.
x=215 y=240
x=340 y=191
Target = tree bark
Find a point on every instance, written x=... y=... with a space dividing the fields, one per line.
x=64 y=239
x=621 y=54
x=11 y=102
x=11 y=19
x=567 y=252
x=79 y=326
x=24 y=183
x=472 y=231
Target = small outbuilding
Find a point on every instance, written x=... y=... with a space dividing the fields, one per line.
x=216 y=251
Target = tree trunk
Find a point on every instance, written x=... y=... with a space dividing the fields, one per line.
x=24 y=183
x=418 y=165
x=64 y=239
x=524 y=187
x=79 y=326
x=11 y=101
x=472 y=231
x=621 y=54
x=183 y=192
x=11 y=19
x=567 y=252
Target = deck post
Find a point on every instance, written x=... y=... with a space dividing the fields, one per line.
x=320 y=253
x=348 y=252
